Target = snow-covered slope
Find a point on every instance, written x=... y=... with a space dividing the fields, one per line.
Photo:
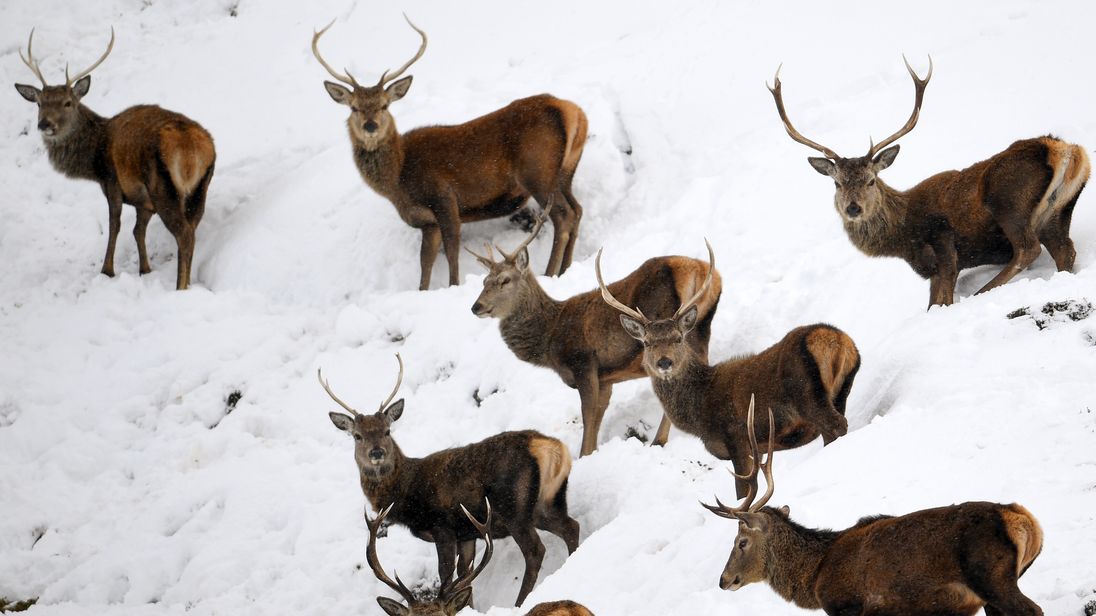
x=126 y=486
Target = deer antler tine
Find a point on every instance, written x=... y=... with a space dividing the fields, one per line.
x=703 y=287
x=388 y=77
x=778 y=98
x=87 y=71
x=375 y=563
x=532 y=234
x=399 y=381
x=767 y=468
x=327 y=388
x=31 y=63
x=608 y=297
x=484 y=529
x=776 y=80
x=347 y=79
x=919 y=86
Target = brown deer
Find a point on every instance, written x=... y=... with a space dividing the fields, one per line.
x=453 y=596
x=948 y=560
x=524 y=473
x=156 y=160
x=438 y=177
x=994 y=212
x=806 y=377
x=578 y=338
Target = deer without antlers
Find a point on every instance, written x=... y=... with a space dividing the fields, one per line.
x=156 y=160
x=438 y=177
x=947 y=560
x=806 y=377
x=578 y=338
x=994 y=212
x=524 y=473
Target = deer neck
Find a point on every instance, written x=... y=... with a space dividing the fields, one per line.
x=77 y=155
x=795 y=556
x=385 y=490
x=684 y=396
x=528 y=329
x=880 y=235
x=380 y=164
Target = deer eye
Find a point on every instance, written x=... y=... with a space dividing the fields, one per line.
x=836 y=184
x=387 y=432
x=384 y=107
x=357 y=437
x=871 y=182
x=503 y=282
x=743 y=543
x=68 y=104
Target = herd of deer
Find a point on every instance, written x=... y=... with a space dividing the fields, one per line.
x=950 y=560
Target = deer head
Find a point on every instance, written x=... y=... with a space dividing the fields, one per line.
x=858 y=196
x=451 y=598
x=508 y=280
x=370 y=123
x=58 y=106
x=374 y=449
x=664 y=348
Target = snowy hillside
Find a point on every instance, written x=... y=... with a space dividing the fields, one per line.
x=165 y=452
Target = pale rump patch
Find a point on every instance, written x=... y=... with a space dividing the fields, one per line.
x=554 y=462
x=688 y=276
x=836 y=356
x=1025 y=532
x=574 y=122
x=1071 y=170
x=187 y=154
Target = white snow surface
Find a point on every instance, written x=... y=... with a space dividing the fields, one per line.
x=126 y=489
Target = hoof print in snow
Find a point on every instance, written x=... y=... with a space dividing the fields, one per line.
x=638 y=431
x=230 y=405
x=525 y=219
x=16 y=606
x=396 y=337
x=234 y=10
x=478 y=399
x=1068 y=310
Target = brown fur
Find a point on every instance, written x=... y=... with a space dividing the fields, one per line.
x=835 y=355
x=560 y=608
x=555 y=465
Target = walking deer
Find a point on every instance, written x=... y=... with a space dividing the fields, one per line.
x=578 y=338
x=438 y=177
x=156 y=160
x=524 y=473
x=947 y=560
x=994 y=212
x=806 y=377
x=453 y=596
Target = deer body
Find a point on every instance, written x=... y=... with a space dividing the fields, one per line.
x=159 y=161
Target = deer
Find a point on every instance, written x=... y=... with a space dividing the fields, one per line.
x=453 y=596
x=577 y=338
x=995 y=212
x=438 y=177
x=946 y=560
x=159 y=161
x=806 y=376
x=524 y=472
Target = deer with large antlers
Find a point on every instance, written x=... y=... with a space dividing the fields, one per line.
x=949 y=560
x=806 y=377
x=156 y=160
x=524 y=473
x=994 y=212
x=578 y=338
x=454 y=595
x=438 y=177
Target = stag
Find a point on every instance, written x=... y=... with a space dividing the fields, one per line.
x=453 y=596
x=806 y=377
x=947 y=560
x=578 y=338
x=994 y=212
x=524 y=472
x=438 y=177
x=156 y=160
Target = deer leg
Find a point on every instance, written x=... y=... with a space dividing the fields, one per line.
x=556 y=521
x=446 y=546
x=1025 y=249
x=576 y=218
x=561 y=233
x=589 y=393
x=1055 y=236
x=992 y=575
x=144 y=214
x=431 y=242
x=466 y=555
x=449 y=222
x=663 y=433
x=533 y=550
x=113 y=194
x=942 y=282
x=186 y=256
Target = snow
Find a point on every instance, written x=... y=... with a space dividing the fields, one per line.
x=128 y=489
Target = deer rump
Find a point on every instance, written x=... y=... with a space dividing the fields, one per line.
x=178 y=157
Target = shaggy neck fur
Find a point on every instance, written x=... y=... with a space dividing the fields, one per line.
x=380 y=167
x=387 y=489
x=527 y=330
x=77 y=154
x=684 y=395
x=879 y=235
x=795 y=554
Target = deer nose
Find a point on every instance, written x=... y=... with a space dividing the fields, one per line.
x=44 y=125
x=370 y=126
x=853 y=210
x=665 y=363
x=376 y=453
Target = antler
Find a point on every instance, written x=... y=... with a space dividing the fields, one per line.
x=486 y=261
x=704 y=287
x=327 y=388
x=84 y=73
x=748 y=505
x=792 y=132
x=399 y=381
x=375 y=563
x=919 y=86
x=348 y=79
x=532 y=235
x=386 y=77
x=31 y=63
x=464 y=580
x=635 y=313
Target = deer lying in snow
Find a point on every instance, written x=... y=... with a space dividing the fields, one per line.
x=806 y=377
x=948 y=560
x=524 y=473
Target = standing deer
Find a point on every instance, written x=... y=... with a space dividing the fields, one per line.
x=156 y=160
x=806 y=377
x=948 y=560
x=994 y=212
x=453 y=596
x=524 y=473
x=438 y=177
x=578 y=337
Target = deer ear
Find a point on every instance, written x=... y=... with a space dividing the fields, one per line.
x=634 y=328
x=688 y=320
x=394 y=410
x=398 y=89
x=786 y=510
x=884 y=158
x=824 y=166
x=459 y=600
x=28 y=92
x=753 y=521
x=393 y=608
x=80 y=88
x=340 y=94
x=342 y=422
x=521 y=260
